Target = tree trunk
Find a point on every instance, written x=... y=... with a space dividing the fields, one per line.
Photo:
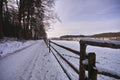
x=20 y=18
x=1 y=19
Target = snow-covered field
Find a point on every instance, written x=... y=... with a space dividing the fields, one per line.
x=106 y=58
x=10 y=45
x=33 y=62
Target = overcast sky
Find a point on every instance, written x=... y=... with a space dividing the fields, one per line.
x=86 y=17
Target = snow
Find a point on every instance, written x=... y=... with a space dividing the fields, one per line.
x=101 y=41
x=31 y=60
x=69 y=70
x=32 y=63
x=85 y=62
x=108 y=42
x=106 y=58
x=12 y=46
x=102 y=70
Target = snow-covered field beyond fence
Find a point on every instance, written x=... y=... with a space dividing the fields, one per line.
x=106 y=58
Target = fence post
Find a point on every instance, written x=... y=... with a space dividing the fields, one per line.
x=49 y=45
x=92 y=71
x=46 y=41
x=82 y=57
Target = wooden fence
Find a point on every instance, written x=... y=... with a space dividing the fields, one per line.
x=87 y=61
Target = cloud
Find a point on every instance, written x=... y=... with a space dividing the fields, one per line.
x=87 y=17
x=85 y=27
x=76 y=10
x=109 y=9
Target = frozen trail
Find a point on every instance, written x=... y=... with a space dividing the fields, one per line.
x=33 y=63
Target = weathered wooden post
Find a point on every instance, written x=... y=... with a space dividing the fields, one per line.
x=46 y=41
x=92 y=71
x=82 y=57
x=49 y=45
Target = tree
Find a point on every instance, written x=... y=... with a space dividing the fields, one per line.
x=1 y=19
x=27 y=19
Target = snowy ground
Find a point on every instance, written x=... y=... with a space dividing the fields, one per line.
x=30 y=60
x=107 y=58
x=8 y=46
x=32 y=63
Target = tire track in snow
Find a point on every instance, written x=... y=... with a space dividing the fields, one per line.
x=33 y=63
x=28 y=71
x=44 y=68
x=13 y=66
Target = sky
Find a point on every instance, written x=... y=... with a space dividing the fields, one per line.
x=86 y=17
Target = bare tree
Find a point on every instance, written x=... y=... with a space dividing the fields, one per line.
x=26 y=19
x=1 y=19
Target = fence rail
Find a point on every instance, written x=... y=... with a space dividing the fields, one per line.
x=100 y=43
x=69 y=49
x=87 y=61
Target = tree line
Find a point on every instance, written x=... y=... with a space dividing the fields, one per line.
x=108 y=34
x=26 y=19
